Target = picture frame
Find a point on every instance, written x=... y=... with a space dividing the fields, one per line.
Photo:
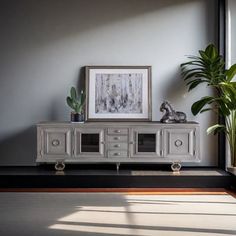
x=118 y=93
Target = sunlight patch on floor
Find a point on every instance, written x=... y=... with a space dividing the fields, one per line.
x=147 y=215
x=130 y=231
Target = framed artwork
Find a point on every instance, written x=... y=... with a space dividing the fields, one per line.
x=118 y=93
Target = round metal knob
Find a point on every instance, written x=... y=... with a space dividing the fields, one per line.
x=55 y=142
x=117 y=154
x=116 y=138
x=117 y=145
x=117 y=131
x=178 y=143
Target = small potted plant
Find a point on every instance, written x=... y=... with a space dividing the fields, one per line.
x=76 y=103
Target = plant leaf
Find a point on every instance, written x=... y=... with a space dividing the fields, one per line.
x=216 y=129
x=206 y=109
x=211 y=51
x=223 y=108
x=194 y=84
x=197 y=106
x=73 y=93
x=70 y=102
x=204 y=56
x=231 y=72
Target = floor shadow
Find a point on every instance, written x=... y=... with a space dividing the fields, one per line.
x=34 y=213
x=161 y=213
x=175 y=201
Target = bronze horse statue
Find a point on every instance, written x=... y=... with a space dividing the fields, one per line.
x=171 y=116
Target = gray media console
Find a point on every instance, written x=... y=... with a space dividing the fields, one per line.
x=117 y=142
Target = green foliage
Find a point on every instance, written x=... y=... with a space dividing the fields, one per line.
x=216 y=128
x=209 y=68
x=230 y=73
x=198 y=105
x=76 y=102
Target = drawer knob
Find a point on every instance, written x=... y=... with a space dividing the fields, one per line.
x=117 y=154
x=117 y=145
x=178 y=143
x=117 y=131
x=55 y=142
x=116 y=138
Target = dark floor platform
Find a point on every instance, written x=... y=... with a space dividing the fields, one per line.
x=97 y=176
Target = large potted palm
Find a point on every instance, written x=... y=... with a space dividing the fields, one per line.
x=209 y=68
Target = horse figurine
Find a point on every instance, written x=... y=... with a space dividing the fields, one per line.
x=171 y=116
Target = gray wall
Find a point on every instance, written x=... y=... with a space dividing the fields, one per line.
x=232 y=9
x=230 y=47
x=45 y=43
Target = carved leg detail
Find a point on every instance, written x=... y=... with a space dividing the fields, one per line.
x=117 y=166
x=60 y=166
x=176 y=166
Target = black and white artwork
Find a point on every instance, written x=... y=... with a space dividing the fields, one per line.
x=118 y=93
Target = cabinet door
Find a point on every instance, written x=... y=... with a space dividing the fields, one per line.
x=56 y=143
x=179 y=143
x=145 y=142
x=89 y=142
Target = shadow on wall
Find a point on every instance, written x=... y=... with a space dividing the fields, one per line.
x=175 y=88
x=81 y=79
x=46 y=18
x=56 y=103
x=20 y=148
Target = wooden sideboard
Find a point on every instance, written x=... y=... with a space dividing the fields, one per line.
x=117 y=142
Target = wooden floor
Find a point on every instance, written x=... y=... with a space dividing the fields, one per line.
x=166 y=212
x=151 y=191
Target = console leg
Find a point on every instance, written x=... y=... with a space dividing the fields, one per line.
x=176 y=166
x=117 y=166
x=60 y=166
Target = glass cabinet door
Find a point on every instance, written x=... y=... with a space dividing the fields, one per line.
x=145 y=142
x=89 y=142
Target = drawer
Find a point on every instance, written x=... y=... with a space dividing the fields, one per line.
x=117 y=146
x=117 y=138
x=117 y=131
x=117 y=153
